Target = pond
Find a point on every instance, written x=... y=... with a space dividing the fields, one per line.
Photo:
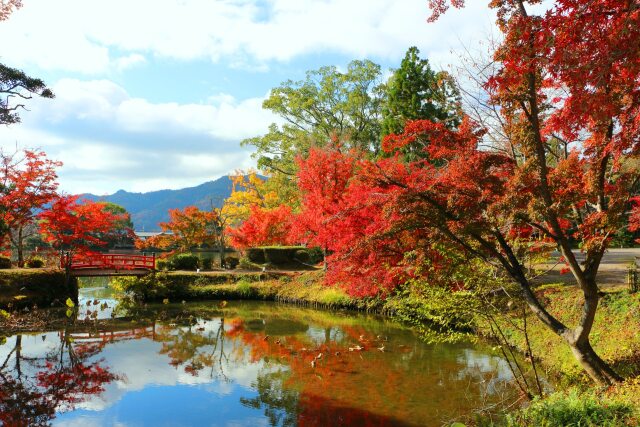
x=240 y=364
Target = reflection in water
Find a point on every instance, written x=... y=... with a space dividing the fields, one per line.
x=34 y=386
x=246 y=364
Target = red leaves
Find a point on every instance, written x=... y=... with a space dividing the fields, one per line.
x=264 y=227
x=29 y=182
x=371 y=214
x=74 y=227
x=438 y=7
x=435 y=139
x=322 y=179
x=186 y=228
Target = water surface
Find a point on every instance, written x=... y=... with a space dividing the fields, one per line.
x=241 y=364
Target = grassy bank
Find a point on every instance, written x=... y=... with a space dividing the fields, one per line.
x=615 y=337
x=29 y=286
x=295 y=288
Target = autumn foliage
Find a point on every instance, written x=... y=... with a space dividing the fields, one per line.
x=77 y=228
x=186 y=228
x=566 y=88
x=322 y=180
x=28 y=182
x=263 y=227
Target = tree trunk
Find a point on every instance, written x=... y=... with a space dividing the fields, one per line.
x=578 y=338
x=18 y=348
x=324 y=258
x=597 y=368
x=19 y=248
x=221 y=251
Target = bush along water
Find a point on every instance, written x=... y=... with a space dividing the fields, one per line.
x=5 y=262
x=35 y=262
x=186 y=261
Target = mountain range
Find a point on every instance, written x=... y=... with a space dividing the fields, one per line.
x=149 y=209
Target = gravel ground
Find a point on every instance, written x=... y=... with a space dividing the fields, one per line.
x=612 y=272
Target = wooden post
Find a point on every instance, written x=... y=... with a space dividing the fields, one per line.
x=632 y=279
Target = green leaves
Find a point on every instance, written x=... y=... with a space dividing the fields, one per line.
x=15 y=83
x=327 y=108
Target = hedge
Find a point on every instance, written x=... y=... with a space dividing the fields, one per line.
x=5 y=262
x=184 y=262
x=278 y=255
x=20 y=288
x=35 y=262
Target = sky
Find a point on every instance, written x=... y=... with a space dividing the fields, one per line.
x=157 y=94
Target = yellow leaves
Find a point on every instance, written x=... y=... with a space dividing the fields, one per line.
x=248 y=190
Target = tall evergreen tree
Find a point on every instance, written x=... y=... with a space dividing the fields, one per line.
x=416 y=92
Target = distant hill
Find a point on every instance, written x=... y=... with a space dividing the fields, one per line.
x=149 y=209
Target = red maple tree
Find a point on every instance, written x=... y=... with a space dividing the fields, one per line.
x=28 y=183
x=186 y=228
x=77 y=228
x=322 y=180
x=567 y=78
x=264 y=227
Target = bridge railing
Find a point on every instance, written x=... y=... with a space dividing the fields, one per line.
x=110 y=262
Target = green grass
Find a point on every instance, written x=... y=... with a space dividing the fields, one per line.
x=574 y=409
x=306 y=289
x=615 y=335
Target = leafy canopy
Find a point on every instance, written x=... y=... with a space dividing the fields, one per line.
x=415 y=91
x=327 y=106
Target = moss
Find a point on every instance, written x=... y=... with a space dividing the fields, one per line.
x=26 y=287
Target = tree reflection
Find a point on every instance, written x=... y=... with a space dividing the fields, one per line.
x=34 y=388
x=360 y=379
x=195 y=349
x=280 y=403
x=330 y=370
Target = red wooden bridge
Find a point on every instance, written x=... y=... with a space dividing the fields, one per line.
x=109 y=264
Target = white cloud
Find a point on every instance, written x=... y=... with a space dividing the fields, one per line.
x=129 y=61
x=109 y=140
x=77 y=35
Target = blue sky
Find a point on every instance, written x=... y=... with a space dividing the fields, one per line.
x=154 y=94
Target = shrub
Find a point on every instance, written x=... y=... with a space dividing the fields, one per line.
x=206 y=263
x=22 y=288
x=244 y=288
x=277 y=255
x=162 y=264
x=315 y=255
x=231 y=262
x=185 y=262
x=281 y=254
x=256 y=255
x=35 y=262
x=572 y=409
x=246 y=264
x=5 y=262
x=302 y=255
